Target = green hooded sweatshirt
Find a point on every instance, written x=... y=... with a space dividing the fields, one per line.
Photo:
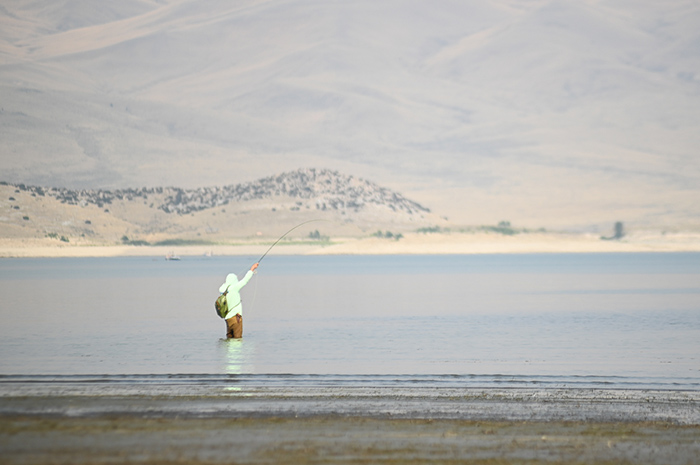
x=234 y=297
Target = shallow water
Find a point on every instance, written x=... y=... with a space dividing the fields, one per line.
x=550 y=320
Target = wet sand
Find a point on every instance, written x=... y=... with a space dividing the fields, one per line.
x=340 y=440
x=322 y=425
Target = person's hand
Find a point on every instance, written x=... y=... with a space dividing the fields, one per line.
x=254 y=267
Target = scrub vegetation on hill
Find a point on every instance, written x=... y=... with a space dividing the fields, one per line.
x=503 y=227
x=348 y=205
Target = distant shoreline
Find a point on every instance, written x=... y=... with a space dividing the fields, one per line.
x=410 y=244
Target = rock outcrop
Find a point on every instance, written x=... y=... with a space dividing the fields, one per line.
x=324 y=189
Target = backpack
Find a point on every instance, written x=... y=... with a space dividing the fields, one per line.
x=221 y=305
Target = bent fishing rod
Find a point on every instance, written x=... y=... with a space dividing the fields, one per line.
x=283 y=236
x=270 y=248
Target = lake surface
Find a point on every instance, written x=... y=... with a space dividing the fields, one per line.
x=547 y=320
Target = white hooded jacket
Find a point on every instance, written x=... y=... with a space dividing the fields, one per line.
x=234 y=297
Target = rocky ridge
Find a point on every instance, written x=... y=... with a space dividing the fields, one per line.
x=326 y=189
x=350 y=207
x=329 y=190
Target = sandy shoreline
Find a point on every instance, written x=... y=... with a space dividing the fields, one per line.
x=489 y=426
x=476 y=243
x=482 y=404
x=332 y=440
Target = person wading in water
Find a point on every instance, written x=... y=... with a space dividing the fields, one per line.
x=228 y=305
x=232 y=288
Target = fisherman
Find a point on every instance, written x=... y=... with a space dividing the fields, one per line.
x=232 y=286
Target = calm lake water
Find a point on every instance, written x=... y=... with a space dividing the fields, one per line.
x=615 y=320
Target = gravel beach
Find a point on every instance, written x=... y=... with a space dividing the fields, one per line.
x=350 y=425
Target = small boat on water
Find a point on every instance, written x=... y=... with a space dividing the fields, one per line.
x=172 y=256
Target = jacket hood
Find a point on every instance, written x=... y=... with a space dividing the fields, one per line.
x=231 y=280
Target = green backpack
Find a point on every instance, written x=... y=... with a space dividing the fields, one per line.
x=221 y=304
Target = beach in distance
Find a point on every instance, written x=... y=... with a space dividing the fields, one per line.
x=409 y=243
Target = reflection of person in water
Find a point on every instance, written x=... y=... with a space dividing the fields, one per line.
x=234 y=356
x=234 y=317
x=237 y=358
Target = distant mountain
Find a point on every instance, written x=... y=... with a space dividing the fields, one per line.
x=556 y=113
x=351 y=205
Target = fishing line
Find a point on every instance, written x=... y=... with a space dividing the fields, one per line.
x=283 y=235
x=255 y=289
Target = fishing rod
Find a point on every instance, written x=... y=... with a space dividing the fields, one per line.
x=283 y=235
x=255 y=292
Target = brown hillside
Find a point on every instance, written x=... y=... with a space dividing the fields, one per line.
x=265 y=208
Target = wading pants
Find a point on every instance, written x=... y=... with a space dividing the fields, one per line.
x=234 y=327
